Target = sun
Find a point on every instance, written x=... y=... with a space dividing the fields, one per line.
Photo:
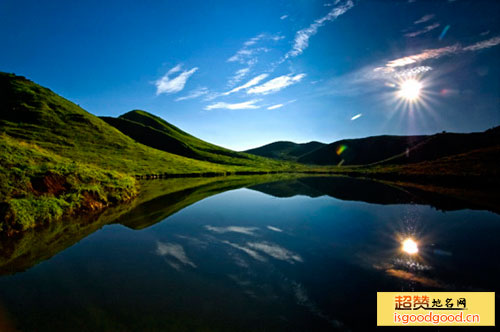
x=410 y=89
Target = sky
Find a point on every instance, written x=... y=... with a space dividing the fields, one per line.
x=241 y=74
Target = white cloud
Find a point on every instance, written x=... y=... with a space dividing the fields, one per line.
x=176 y=84
x=273 y=108
x=233 y=229
x=283 y=17
x=276 y=84
x=252 y=253
x=424 y=30
x=275 y=251
x=276 y=229
x=252 y=82
x=236 y=106
x=254 y=40
x=248 y=54
x=424 y=18
x=411 y=72
x=194 y=94
x=483 y=44
x=301 y=41
x=440 y=52
x=424 y=55
x=331 y=4
x=239 y=75
x=175 y=251
x=357 y=116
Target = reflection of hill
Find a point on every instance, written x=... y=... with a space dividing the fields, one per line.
x=159 y=208
x=357 y=189
x=339 y=187
x=157 y=201
x=24 y=250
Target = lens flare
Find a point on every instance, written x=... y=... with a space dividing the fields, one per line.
x=410 y=89
x=341 y=148
x=409 y=246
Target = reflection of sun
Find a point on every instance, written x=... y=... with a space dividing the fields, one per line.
x=410 y=89
x=409 y=246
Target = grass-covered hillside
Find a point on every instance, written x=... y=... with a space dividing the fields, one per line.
x=57 y=158
x=155 y=132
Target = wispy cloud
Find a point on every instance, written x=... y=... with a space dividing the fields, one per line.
x=235 y=106
x=175 y=251
x=329 y=4
x=424 y=30
x=273 y=108
x=239 y=75
x=247 y=54
x=440 y=52
x=254 y=81
x=176 y=84
x=424 y=18
x=301 y=41
x=424 y=55
x=232 y=229
x=483 y=44
x=275 y=251
x=276 y=84
x=410 y=72
x=194 y=94
x=252 y=253
x=283 y=17
x=275 y=229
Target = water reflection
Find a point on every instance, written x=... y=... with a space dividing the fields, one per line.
x=300 y=259
x=175 y=251
x=409 y=246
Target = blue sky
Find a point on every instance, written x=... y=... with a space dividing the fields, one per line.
x=245 y=73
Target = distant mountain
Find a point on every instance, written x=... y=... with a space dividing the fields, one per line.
x=286 y=150
x=157 y=133
x=400 y=149
x=381 y=149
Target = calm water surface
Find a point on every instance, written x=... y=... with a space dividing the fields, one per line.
x=246 y=260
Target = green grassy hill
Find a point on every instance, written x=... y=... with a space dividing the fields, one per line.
x=57 y=158
x=155 y=132
x=286 y=150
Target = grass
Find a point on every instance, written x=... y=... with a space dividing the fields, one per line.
x=58 y=159
x=30 y=198
x=35 y=114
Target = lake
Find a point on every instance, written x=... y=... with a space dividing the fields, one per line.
x=290 y=255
